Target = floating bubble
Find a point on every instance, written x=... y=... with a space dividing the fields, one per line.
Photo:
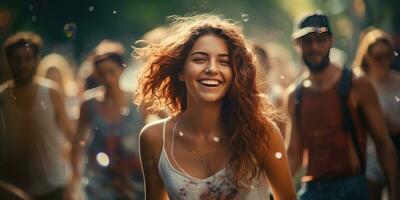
x=278 y=155
x=34 y=18
x=124 y=65
x=70 y=30
x=31 y=7
x=124 y=111
x=282 y=77
x=114 y=12
x=140 y=43
x=103 y=159
x=91 y=8
x=397 y=98
x=245 y=17
x=395 y=53
x=82 y=143
x=43 y=104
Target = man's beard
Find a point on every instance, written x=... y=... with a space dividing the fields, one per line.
x=317 y=67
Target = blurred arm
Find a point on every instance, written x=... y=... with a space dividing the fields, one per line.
x=379 y=133
x=292 y=138
x=278 y=172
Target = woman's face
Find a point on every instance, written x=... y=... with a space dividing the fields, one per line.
x=207 y=70
x=109 y=72
x=380 y=55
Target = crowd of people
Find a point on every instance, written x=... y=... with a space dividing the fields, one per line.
x=208 y=114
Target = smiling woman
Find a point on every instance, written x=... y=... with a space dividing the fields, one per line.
x=220 y=142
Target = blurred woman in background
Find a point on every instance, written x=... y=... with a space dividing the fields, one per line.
x=375 y=59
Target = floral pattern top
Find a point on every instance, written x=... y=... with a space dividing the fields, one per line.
x=181 y=186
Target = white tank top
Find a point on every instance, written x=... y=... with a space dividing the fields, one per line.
x=181 y=186
x=45 y=164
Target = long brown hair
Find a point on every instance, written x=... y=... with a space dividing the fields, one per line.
x=246 y=112
x=371 y=37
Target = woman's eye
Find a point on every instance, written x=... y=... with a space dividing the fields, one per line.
x=199 y=60
x=225 y=63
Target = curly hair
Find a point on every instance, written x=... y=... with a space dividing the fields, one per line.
x=248 y=115
x=369 y=38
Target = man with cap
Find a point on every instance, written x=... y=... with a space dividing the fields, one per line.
x=331 y=111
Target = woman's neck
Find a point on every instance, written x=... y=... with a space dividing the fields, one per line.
x=203 y=119
x=378 y=73
x=113 y=93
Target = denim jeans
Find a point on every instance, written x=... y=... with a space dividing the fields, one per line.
x=353 y=188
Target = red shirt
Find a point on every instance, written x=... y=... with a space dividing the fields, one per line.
x=328 y=150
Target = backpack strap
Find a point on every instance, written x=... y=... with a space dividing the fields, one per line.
x=348 y=123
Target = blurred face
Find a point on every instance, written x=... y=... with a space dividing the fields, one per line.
x=23 y=64
x=315 y=46
x=380 y=55
x=109 y=72
x=207 y=71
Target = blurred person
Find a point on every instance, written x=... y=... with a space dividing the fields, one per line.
x=220 y=141
x=86 y=71
x=283 y=71
x=153 y=37
x=272 y=90
x=326 y=131
x=56 y=68
x=107 y=135
x=34 y=124
x=375 y=59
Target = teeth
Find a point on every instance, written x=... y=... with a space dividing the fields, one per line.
x=209 y=82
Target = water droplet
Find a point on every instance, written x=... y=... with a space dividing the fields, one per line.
x=282 y=77
x=70 y=30
x=141 y=43
x=114 y=12
x=124 y=111
x=34 y=18
x=91 y=8
x=43 y=104
x=278 y=155
x=395 y=53
x=216 y=139
x=31 y=7
x=397 y=98
x=245 y=17
x=180 y=134
x=103 y=159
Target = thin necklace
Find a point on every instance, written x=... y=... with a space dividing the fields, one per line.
x=203 y=158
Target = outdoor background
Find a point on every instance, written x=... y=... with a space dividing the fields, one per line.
x=74 y=27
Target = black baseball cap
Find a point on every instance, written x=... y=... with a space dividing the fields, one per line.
x=311 y=22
